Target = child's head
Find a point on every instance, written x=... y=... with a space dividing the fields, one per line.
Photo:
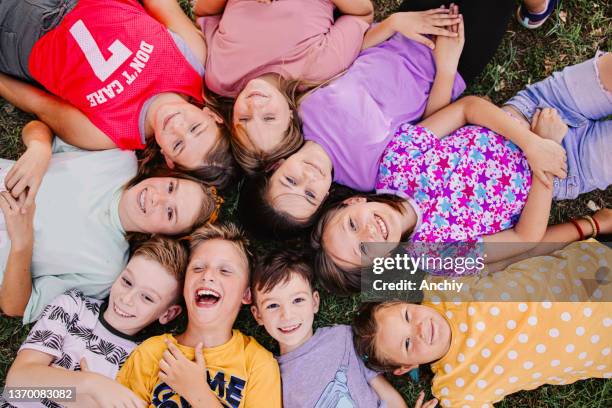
x=194 y=140
x=284 y=299
x=266 y=126
x=397 y=336
x=342 y=232
x=217 y=278
x=290 y=197
x=150 y=286
x=170 y=203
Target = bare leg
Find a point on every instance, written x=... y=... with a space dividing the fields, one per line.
x=67 y=122
x=604 y=65
x=535 y=6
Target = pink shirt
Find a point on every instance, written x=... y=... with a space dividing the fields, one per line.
x=297 y=39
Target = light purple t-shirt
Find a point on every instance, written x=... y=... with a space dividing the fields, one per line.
x=326 y=372
x=355 y=116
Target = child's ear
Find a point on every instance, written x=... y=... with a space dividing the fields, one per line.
x=316 y=299
x=404 y=369
x=256 y=315
x=246 y=297
x=170 y=314
x=355 y=200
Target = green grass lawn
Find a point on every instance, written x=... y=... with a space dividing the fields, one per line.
x=573 y=34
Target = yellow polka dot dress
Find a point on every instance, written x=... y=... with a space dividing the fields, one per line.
x=499 y=348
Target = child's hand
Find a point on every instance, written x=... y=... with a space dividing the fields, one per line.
x=19 y=220
x=417 y=24
x=545 y=156
x=448 y=49
x=184 y=376
x=27 y=173
x=429 y=404
x=548 y=124
x=100 y=388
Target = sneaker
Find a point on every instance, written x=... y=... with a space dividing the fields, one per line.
x=531 y=20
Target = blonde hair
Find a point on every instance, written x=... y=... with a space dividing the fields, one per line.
x=170 y=253
x=254 y=160
x=226 y=231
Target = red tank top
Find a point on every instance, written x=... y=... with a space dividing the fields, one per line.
x=107 y=57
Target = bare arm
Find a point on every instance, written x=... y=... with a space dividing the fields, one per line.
x=446 y=56
x=543 y=155
x=357 y=8
x=559 y=236
x=208 y=7
x=31 y=368
x=65 y=120
x=415 y=25
x=16 y=287
x=528 y=231
x=170 y=14
x=387 y=393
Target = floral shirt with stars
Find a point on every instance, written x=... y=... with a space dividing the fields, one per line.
x=466 y=185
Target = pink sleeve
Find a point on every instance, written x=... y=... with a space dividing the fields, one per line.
x=342 y=45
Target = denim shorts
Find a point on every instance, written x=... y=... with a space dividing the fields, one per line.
x=578 y=95
x=22 y=23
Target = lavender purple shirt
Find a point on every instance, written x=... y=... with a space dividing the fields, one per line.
x=355 y=116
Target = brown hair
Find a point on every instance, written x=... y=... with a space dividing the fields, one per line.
x=226 y=231
x=253 y=160
x=209 y=208
x=278 y=267
x=169 y=253
x=219 y=169
x=365 y=329
x=343 y=281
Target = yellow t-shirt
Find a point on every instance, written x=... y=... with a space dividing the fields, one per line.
x=499 y=348
x=240 y=372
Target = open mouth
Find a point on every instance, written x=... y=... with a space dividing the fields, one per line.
x=167 y=119
x=121 y=313
x=205 y=297
x=290 y=329
x=382 y=227
x=142 y=200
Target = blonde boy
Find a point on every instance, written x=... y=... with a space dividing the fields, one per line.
x=82 y=342
x=230 y=369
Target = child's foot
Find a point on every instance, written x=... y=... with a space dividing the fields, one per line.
x=547 y=124
x=535 y=18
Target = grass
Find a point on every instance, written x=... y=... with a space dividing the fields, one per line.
x=573 y=34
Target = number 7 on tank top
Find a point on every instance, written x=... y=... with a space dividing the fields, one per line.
x=102 y=68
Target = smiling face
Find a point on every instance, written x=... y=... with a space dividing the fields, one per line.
x=143 y=293
x=287 y=312
x=301 y=183
x=262 y=110
x=186 y=133
x=409 y=335
x=359 y=222
x=163 y=205
x=216 y=284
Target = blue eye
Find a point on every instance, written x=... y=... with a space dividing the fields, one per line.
x=290 y=180
x=272 y=306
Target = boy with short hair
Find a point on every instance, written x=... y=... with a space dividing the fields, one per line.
x=82 y=342
x=317 y=369
x=230 y=368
